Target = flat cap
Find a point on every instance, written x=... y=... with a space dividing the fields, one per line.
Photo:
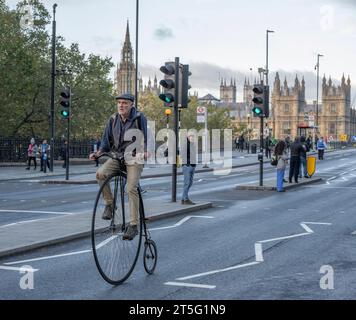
x=126 y=96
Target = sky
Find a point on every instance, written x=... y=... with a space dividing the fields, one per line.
x=220 y=38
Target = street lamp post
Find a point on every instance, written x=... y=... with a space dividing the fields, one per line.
x=267 y=71
x=317 y=89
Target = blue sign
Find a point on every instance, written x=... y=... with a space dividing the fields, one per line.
x=353 y=138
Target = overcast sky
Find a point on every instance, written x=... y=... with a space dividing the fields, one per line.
x=220 y=38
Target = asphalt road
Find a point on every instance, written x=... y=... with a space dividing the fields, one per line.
x=251 y=245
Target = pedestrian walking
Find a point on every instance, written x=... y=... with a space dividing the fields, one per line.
x=321 y=146
x=303 y=158
x=237 y=143
x=296 y=149
x=282 y=158
x=44 y=154
x=189 y=153
x=96 y=148
x=32 y=153
x=241 y=143
x=268 y=147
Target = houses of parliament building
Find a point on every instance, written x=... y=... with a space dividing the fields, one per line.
x=290 y=114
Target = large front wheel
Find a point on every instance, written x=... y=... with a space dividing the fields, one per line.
x=115 y=257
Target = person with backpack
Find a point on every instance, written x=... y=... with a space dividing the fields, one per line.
x=31 y=153
x=44 y=154
x=118 y=127
x=321 y=146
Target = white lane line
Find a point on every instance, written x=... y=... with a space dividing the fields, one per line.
x=49 y=257
x=30 y=211
x=180 y=222
x=18 y=269
x=21 y=222
x=286 y=237
x=192 y=285
x=218 y=271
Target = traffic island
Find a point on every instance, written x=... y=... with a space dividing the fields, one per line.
x=270 y=185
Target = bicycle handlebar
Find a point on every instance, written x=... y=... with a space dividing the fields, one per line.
x=112 y=155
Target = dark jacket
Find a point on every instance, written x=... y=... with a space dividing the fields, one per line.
x=113 y=137
x=296 y=149
x=186 y=157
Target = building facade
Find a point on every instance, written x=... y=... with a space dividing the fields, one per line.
x=292 y=116
x=228 y=92
x=125 y=75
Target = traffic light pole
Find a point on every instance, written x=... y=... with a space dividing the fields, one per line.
x=176 y=131
x=260 y=156
x=68 y=128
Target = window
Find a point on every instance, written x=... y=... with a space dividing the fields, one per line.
x=286 y=128
x=286 y=108
x=333 y=108
x=332 y=128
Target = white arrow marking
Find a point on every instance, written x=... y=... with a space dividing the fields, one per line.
x=258 y=253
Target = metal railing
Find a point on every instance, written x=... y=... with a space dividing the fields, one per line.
x=15 y=149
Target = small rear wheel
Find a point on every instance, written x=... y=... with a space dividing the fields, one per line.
x=150 y=256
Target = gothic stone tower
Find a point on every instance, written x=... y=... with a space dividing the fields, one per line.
x=228 y=93
x=288 y=107
x=126 y=73
x=336 y=116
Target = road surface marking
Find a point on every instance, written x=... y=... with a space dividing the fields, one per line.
x=219 y=270
x=30 y=211
x=258 y=252
x=48 y=257
x=21 y=222
x=18 y=269
x=192 y=285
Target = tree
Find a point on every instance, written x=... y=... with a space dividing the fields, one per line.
x=25 y=79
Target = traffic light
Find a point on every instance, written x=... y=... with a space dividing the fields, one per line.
x=184 y=96
x=168 y=83
x=260 y=100
x=65 y=103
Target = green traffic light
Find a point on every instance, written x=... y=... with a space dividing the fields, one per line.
x=65 y=114
x=257 y=110
x=167 y=98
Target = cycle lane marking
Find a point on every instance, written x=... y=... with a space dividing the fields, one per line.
x=258 y=255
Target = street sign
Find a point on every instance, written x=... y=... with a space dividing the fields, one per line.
x=331 y=138
x=311 y=165
x=201 y=110
x=311 y=124
x=200 y=119
x=343 y=137
x=201 y=114
x=311 y=118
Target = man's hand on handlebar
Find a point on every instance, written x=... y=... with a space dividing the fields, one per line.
x=94 y=156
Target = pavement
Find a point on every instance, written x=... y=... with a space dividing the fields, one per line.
x=24 y=236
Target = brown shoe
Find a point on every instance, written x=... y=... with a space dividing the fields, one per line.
x=190 y=202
